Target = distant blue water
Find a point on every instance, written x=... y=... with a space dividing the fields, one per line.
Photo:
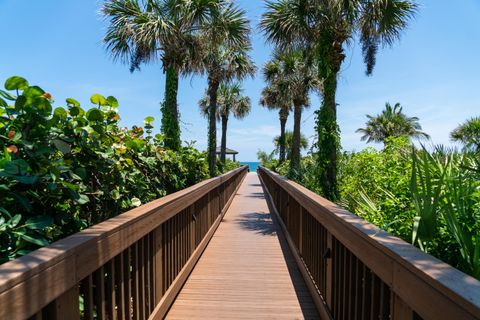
x=253 y=165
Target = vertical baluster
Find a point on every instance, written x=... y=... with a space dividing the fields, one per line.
x=136 y=282
x=99 y=278
x=127 y=282
x=120 y=286
x=375 y=297
x=88 y=297
x=110 y=290
x=147 y=288
x=158 y=264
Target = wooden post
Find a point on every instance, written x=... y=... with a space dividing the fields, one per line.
x=66 y=306
x=400 y=310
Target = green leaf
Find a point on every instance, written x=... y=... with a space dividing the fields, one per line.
x=61 y=113
x=98 y=99
x=15 y=220
x=81 y=172
x=62 y=146
x=72 y=102
x=19 y=166
x=16 y=83
x=37 y=239
x=136 y=202
x=39 y=222
x=98 y=128
x=149 y=119
x=80 y=198
x=112 y=102
x=95 y=115
x=3 y=103
x=33 y=92
x=7 y=95
x=115 y=194
x=43 y=105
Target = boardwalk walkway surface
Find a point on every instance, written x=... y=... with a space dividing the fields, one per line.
x=247 y=270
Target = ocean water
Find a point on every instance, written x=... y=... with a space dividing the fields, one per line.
x=253 y=165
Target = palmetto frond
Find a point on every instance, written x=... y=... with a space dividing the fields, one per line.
x=144 y=31
x=392 y=122
x=225 y=44
x=329 y=23
x=230 y=101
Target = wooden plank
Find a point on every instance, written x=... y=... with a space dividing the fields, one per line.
x=247 y=270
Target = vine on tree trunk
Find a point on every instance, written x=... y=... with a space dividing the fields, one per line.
x=170 y=118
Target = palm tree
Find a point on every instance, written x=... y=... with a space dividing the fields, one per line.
x=151 y=30
x=468 y=133
x=275 y=99
x=392 y=122
x=224 y=45
x=291 y=72
x=326 y=27
x=230 y=101
x=289 y=143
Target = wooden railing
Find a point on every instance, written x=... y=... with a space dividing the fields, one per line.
x=129 y=267
x=354 y=270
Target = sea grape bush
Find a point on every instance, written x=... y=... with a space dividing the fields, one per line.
x=66 y=168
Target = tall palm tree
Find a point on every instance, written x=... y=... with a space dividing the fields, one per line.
x=468 y=133
x=289 y=143
x=326 y=27
x=274 y=98
x=392 y=122
x=147 y=31
x=231 y=101
x=292 y=73
x=225 y=43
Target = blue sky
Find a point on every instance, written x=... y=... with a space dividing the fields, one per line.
x=433 y=71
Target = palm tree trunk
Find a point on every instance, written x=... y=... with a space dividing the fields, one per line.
x=224 y=139
x=283 y=121
x=170 y=120
x=295 y=152
x=213 y=85
x=328 y=137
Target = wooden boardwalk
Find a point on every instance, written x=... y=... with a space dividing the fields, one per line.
x=247 y=270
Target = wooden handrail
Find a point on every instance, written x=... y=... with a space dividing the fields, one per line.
x=358 y=271
x=125 y=266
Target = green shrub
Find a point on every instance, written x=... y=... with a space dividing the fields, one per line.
x=64 y=169
x=376 y=186
x=229 y=165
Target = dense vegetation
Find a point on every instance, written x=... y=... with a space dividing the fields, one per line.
x=428 y=198
x=67 y=168
x=203 y=37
